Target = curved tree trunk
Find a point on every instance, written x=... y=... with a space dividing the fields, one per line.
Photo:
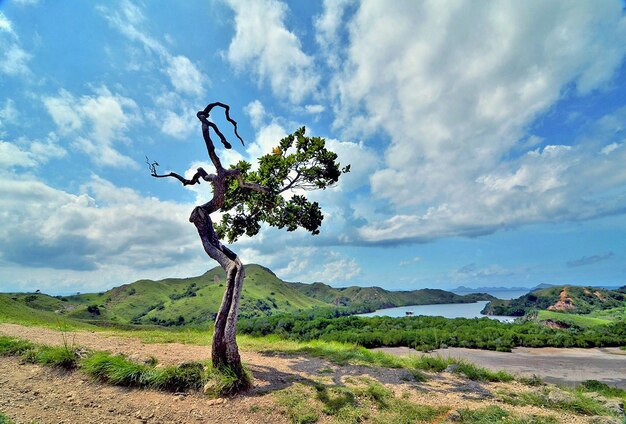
x=224 y=353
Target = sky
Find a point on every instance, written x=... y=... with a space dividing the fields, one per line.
x=486 y=140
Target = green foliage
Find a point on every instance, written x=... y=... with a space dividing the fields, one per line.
x=427 y=333
x=225 y=381
x=299 y=162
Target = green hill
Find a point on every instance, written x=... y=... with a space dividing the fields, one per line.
x=173 y=301
x=561 y=299
x=378 y=298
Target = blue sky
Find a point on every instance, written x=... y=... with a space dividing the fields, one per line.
x=487 y=140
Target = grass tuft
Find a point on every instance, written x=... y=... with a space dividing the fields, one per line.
x=119 y=370
x=226 y=382
x=5 y=420
x=54 y=356
x=10 y=346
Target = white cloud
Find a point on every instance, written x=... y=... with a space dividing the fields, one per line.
x=14 y=60
x=108 y=117
x=11 y=155
x=455 y=87
x=103 y=228
x=314 y=109
x=305 y=264
x=8 y=113
x=6 y=25
x=263 y=43
x=183 y=74
x=185 y=77
x=27 y=154
x=327 y=27
x=256 y=112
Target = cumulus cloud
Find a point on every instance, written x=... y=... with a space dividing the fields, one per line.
x=27 y=154
x=263 y=44
x=456 y=87
x=102 y=226
x=107 y=117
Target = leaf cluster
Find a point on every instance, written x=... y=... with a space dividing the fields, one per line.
x=298 y=164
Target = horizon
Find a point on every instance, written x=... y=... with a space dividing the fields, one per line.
x=459 y=289
x=486 y=141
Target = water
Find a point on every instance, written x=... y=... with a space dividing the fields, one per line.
x=446 y=310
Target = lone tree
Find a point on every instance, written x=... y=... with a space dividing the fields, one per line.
x=247 y=198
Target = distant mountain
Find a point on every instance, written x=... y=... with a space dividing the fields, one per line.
x=378 y=298
x=463 y=289
x=569 y=299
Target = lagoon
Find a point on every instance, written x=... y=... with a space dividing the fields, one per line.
x=446 y=310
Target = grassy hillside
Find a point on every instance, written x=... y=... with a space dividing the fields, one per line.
x=558 y=301
x=167 y=302
x=377 y=297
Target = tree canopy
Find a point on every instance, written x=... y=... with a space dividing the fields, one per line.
x=299 y=163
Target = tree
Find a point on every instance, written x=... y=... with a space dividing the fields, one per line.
x=247 y=198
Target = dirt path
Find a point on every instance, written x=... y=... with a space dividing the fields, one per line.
x=557 y=365
x=31 y=393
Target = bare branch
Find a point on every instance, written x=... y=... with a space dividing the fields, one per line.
x=200 y=173
x=207 y=111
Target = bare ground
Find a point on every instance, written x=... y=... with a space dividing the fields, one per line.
x=31 y=393
x=569 y=366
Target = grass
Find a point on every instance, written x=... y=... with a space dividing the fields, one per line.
x=65 y=356
x=121 y=371
x=494 y=414
x=5 y=420
x=581 y=321
x=360 y=400
x=574 y=401
x=602 y=389
x=345 y=353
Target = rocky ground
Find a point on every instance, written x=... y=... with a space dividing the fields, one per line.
x=31 y=393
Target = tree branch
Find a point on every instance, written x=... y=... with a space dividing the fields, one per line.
x=243 y=184
x=200 y=173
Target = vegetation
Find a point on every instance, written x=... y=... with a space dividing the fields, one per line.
x=573 y=400
x=360 y=399
x=121 y=371
x=494 y=414
x=427 y=333
x=4 y=419
x=570 y=299
x=195 y=301
x=377 y=298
